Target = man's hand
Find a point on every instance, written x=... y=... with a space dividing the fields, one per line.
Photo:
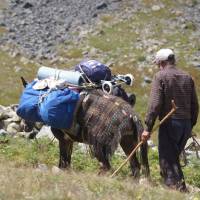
x=145 y=136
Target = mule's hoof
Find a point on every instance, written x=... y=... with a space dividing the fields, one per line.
x=64 y=167
x=103 y=172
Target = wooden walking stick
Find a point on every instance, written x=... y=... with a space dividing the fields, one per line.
x=141 y=142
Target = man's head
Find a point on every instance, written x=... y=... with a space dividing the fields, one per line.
x=164 y=57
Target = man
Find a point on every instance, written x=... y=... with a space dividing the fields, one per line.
x=169 y=84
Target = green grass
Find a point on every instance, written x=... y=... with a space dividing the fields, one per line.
x=3 y=4
x=37 y=185
x=2 y=30
x=29 y=153
x=12 y=68
x=19 y=159
x=71 y=54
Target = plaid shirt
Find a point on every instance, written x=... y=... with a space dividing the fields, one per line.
x=172 y=84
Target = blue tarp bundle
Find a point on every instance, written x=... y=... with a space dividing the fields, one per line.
x=54 y=108
x=57 y=108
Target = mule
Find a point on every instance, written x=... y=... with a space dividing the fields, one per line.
x=103 y=122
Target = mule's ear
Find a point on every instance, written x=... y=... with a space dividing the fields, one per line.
x=24 y=82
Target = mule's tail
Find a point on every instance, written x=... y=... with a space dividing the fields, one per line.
x=143 y=149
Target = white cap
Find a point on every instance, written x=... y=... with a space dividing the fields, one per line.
x=163 y=54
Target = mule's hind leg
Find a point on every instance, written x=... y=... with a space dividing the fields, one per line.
x=144 y=160
x=128 y=143
x=65 y=147
x=102 y=155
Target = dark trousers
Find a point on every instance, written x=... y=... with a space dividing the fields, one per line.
x=172 y=138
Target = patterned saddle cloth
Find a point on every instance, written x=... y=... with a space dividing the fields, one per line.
x=106 y=116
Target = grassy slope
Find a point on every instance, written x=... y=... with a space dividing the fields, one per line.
x=114 y=41
x=28 y=182
x=68 y=186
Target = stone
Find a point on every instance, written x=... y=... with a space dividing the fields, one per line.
x=13 y=128
x=178 y=13
x=156 y=8
x=2 y=115
x=24 y=60
x=93 y=52
x=56 y=170
x=17 y=69
x=21 y=134
x=144 y=181
x=1 y=124
x=101 y=6
x=9 y=113
x=3 y=132
x=6 y=122
x=42 y=168
x=27 y=5
x=147 y=79
x=195 y=64
x=45 y=132
x=150 y=143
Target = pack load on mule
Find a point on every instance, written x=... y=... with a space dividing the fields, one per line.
x=90 y=74
x=52 y=97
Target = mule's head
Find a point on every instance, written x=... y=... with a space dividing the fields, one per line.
x=27 y=126
x=30 y=127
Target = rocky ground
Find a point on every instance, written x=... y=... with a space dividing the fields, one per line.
x=37 y=26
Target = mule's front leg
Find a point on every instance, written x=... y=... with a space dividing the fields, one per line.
x=65 y=147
